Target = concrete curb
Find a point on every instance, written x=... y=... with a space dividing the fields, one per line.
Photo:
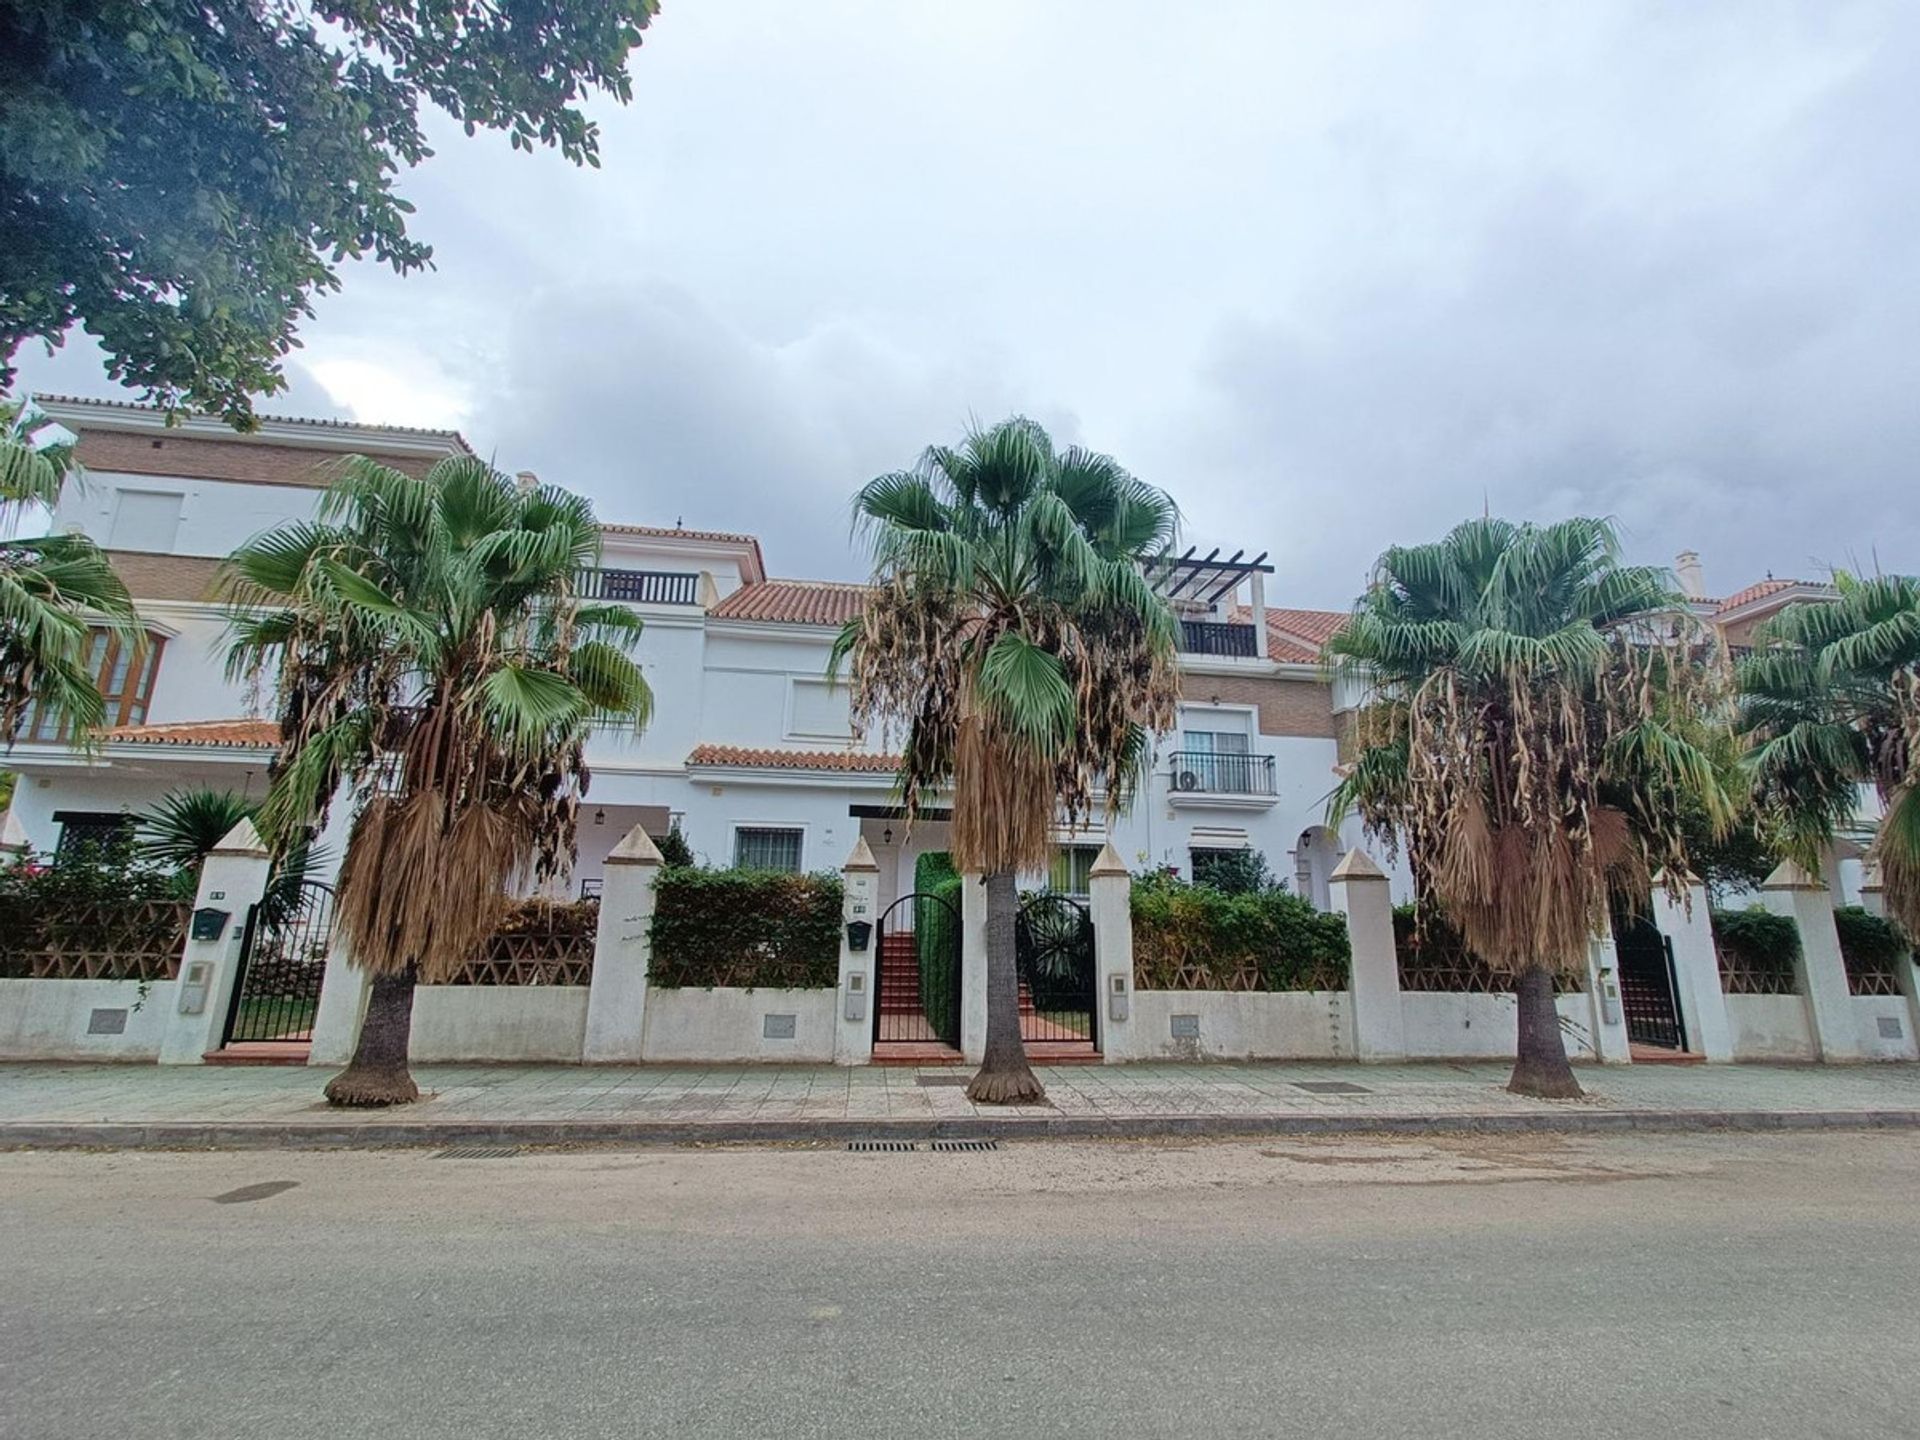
x=384 y=1134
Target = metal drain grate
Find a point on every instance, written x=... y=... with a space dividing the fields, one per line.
x=943 y=1079
x=1330 y=1087
x=951 y=1145
x=889 y=1146
x=478 y=1152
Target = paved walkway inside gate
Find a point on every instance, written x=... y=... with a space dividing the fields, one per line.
x=215 y=1105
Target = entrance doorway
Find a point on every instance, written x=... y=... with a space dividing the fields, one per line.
x=1053 y=948
x=283 y=962
x=916 y=1000
x=1649 y=992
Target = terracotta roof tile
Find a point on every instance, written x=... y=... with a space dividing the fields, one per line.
x=677 y=532
x=262 y=734
x=864 y=762
x=794 y=602
x=1296 y=637
x=453 y=436
x=1760 y=591
x=150 y=576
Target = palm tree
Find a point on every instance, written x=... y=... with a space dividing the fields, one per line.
x=1831 y=702
x=1532 y=739
x=188 y=825
x=53 y=590
x=430 y=651
x=1014 y=635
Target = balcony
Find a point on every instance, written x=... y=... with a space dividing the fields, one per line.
x=1204 y=777
x=642 y=587
x=1216 y=637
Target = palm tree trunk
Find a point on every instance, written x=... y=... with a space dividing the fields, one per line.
x=377 y=1074
x=1540 y=1065
x=1005 y=1078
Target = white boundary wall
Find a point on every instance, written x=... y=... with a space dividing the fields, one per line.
x=48 y=1019
x=725 y=1026
x=1444 y=1026
x=1233 y=1025
x=504 y=1023
x=1770 y=1027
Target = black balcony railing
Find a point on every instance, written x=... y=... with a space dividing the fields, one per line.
x=642 y=587
x=1201 y=772
x=1217 y=637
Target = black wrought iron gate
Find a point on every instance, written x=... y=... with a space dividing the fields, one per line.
x=283 y=960
x=1053 y=946
x=917 y=990
x=1649 y=989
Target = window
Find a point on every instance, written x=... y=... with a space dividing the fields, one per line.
x=83 y=830
x=766 y=848
x=819 y=710
x=125 y=677
x=145 y=520
x=1072 y=869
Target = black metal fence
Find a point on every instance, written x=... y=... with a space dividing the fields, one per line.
x=642 y=587
x=1206 y=773
x=1218 y=637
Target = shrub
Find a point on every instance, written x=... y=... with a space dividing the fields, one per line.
x=1758 y=950
x=745 y=928
x=674 y=849
x=99 y=908
x=1194 y=937
x=936 y=928
x=1873 y=948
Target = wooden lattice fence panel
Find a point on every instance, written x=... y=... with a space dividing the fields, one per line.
x=97 y=940
x=1433 y=960
x=541 y=942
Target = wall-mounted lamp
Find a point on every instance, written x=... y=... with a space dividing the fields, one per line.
x=600 y=817
x=886 y=836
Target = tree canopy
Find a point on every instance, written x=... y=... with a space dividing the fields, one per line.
x=180 y=177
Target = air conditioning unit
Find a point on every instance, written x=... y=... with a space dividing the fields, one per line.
x=1186 y=780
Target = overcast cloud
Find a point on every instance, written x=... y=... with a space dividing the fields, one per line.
x=1336 y=275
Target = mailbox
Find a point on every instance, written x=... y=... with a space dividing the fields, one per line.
x=859 y=934
x=209 y=923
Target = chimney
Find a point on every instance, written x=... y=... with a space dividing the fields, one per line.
x=527 y=481
x=1693 y=580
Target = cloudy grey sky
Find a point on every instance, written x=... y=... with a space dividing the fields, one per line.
x=1335 y=274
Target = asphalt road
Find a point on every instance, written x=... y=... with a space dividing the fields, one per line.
x=1525 y=1286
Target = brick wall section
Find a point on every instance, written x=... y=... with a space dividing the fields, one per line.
x=1287 y=707
x=196 y=457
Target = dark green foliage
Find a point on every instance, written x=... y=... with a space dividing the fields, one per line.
x=1756 y=939
x=1193 y=937
x=673 y=848
x=745 y=928
x=181 y=176
x=1233 y=872
x=936 y=929
x=1870 y=944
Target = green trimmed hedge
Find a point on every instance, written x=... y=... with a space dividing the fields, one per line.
x=1758 y=950
x=1193 y=937
x=746 y=928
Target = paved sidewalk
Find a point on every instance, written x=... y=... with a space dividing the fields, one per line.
x=125 y=1105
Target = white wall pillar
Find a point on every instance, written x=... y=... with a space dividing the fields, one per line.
x=1821 y=973
x=617 y=999
x=1259 y=614
x=14 y=846
x=232 y=878
x=973 y=968
x=1361 y=893
x=1610 y=1043
x=343 y=1001
x=853 y=1026
x=1873 y=899
x=1688 y=928
x=1110 y=900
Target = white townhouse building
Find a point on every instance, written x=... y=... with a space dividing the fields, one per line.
x=750 y=752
